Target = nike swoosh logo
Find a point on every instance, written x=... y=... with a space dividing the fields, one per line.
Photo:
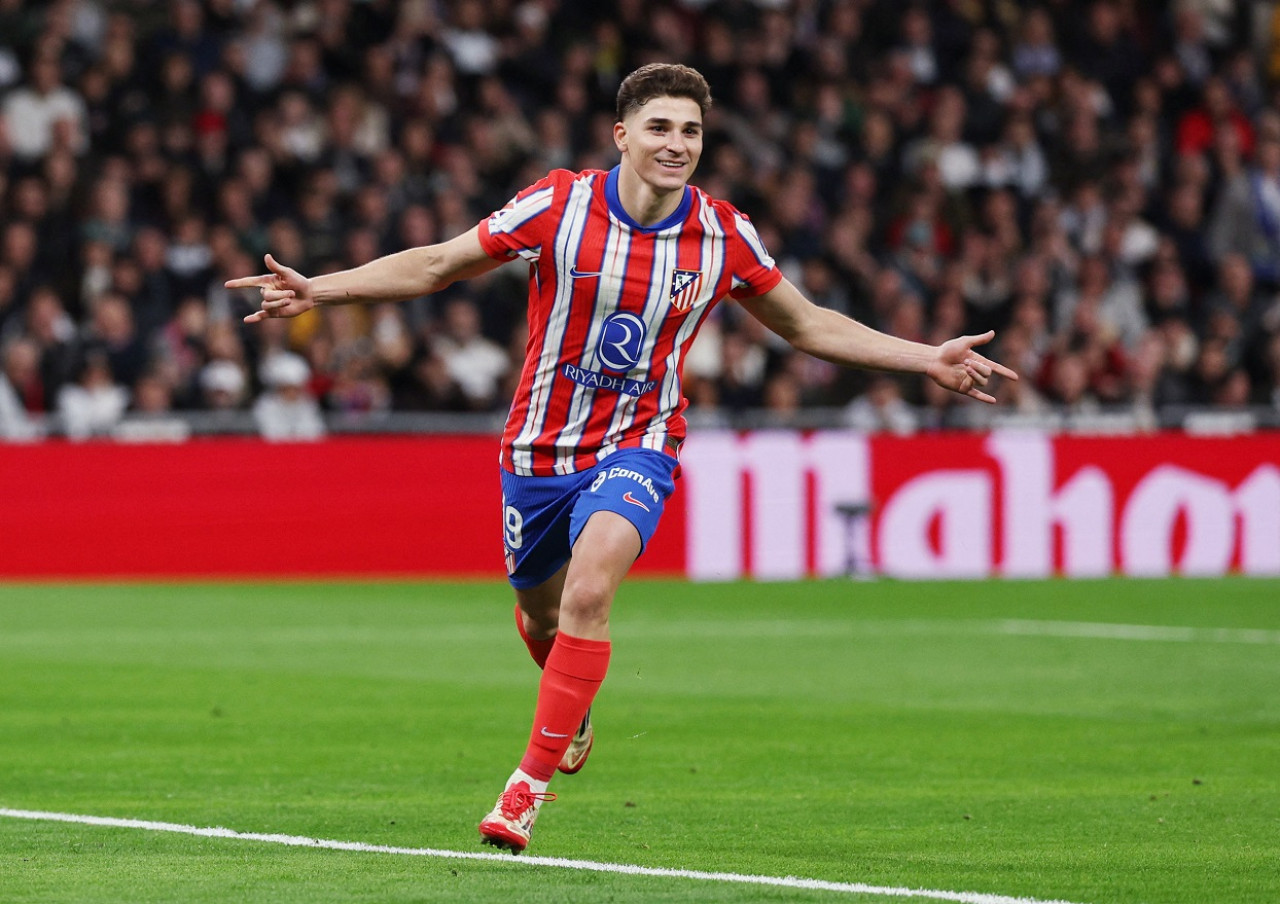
x=575 y=273
x=552 y=734
x=627 y=497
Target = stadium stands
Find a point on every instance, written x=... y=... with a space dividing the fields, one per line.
x=1098 y=181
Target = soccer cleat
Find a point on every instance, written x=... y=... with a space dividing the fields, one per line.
x=511 y=822
x=579 y=748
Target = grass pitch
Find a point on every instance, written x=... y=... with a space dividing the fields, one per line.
x=1000 y=738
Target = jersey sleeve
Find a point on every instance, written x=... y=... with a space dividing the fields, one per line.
x=523 y=224
x=754 y=271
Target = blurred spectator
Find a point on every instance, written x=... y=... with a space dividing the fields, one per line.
x=1108 y=51
x=112 y=332
x=1247 y=219
x=781 y=400
x=1068 y=383
x=52 y=329
x=108 y=222
x=881 y=409
x=222 y=385
x=1084 y=178
x=151 y=417
x=425 y=384
x=477 y=364
x=1018 y=160
x=1190 y=43
x=21 y=391
x=187 y=34
x=473 y=47
x=95 y=402
x=265 y=47
x=287 y=411
x=1183 y=226
x=44 y=113
x=1168 y=294
x=918 y=46
x=1035 y=52
x=1236 y=312
x=944 y=144
x=19 y=254
x=1114 y=303
x=1198 y=128
x=742 y=372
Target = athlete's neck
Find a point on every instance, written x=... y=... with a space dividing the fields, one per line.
x=644 y=203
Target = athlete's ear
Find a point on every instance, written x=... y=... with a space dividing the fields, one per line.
x=620 y=136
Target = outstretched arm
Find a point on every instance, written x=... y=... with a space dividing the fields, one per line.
x=395 y=277
x=831 y=336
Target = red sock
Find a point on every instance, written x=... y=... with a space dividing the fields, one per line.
x=538 y=649
x=573 y=674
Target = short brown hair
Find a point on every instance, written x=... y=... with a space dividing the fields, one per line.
x=662 y=80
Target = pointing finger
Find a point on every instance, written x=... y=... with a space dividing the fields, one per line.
x=249 y=282
x=999 y=368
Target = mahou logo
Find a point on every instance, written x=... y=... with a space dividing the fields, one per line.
x=1006 y=504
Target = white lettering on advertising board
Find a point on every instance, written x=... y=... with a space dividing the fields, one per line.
x=764 y=504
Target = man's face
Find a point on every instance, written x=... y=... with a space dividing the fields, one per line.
x=662 y=140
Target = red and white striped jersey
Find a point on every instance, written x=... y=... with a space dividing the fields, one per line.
x=613 y=309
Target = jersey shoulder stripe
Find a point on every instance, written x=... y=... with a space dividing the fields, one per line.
x=753 y=270
x=526 y=222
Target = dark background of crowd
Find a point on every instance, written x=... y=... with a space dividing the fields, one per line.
x=1097 y=181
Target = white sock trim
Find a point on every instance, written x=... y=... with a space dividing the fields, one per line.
x=535 y=785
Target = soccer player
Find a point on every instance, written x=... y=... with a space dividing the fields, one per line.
x=624 y=266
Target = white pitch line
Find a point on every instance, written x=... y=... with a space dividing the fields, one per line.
x=856 y=888
x=1110 y=631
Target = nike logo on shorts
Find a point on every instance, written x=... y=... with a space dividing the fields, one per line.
x=627 y=497
x=552 y=734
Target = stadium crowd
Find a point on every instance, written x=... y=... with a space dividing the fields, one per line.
x=1098 y=181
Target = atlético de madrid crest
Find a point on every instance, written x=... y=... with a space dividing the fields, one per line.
x=685 y=286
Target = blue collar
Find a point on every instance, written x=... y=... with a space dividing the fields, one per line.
x=616 y=208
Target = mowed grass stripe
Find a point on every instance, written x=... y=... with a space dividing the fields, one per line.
x=883 y=734
x=826 y=628
x=856 y=888
x=1157 y=633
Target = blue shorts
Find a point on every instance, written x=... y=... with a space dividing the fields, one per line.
x=543 y=516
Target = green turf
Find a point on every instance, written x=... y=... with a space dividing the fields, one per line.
x=874 y=732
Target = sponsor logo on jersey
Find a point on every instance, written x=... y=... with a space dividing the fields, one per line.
x=621 y=341
x=645 y=482
x=593 y=379
x=685 y=287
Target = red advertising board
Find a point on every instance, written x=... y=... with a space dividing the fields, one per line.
x=766 y=504
x=1026 y=505
x=397 y=506
x=1012 y=504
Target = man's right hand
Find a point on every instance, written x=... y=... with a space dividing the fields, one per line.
x=285 y=291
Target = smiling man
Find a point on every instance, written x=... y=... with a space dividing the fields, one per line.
x=624 y=267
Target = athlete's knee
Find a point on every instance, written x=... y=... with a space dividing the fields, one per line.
x=587 y=599
x=540 y=623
